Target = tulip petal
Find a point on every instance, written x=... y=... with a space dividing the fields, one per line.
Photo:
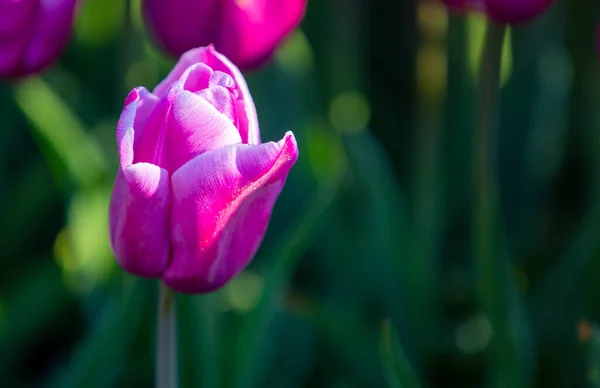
x=11 y=51
x=188 y=59
x=14 y=21
x=195 y=126
x=140 y=204
x=14 y=16
x=248 y=120
x=176 y=24
x=466 y=5
x=137 y=111
x=150 y=147
x=261 y=25
x=139 y=219
x=221 y=204
x=196 y=77
x=50 y=34
x=222 y=99
x=515 y=11
x=221 y=79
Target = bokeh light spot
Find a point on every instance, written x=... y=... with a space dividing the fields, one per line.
x=474 y=334
x=585 y=332
x=325 y=151
x=295 y=56
x=431 y=71
x=349 y=112
x=433 y=18
x=82 y=249
x=141 y=73
x=243 y=292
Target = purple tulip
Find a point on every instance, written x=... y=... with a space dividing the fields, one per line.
x=32 y=34
x=503 y=11
x=196 y=187
x=515 y=11
x=245 y=31
x=466 y=5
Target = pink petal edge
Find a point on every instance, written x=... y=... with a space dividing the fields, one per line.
x=222 y=201
x=248 y=119
x=140 y=204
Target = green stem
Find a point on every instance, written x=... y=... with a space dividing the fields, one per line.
x=489 y=80
x=487 y=235
x=397 y=369
x=166 y=340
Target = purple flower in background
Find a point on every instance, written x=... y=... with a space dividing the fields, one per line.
x=466 y=5
x=32 y=34
x=515 y=11
x=196 y=187
x=503 y=11
x=245 y=31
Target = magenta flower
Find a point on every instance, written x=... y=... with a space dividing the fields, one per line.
x=466 y=5
x=245 y=31
x=32 y=34
x=196 y=187
x=503 y=11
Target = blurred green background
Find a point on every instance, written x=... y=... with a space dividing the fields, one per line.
x=367 y=276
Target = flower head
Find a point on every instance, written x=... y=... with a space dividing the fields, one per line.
x=196 y=187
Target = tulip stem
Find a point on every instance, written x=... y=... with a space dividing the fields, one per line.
x=487 y=104
x=166 y=340
x=491 y=268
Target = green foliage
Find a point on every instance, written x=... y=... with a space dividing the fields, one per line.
x=367 y=276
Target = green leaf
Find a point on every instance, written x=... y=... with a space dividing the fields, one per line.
x=100 y=356
x=59 y=127
x=397 y=369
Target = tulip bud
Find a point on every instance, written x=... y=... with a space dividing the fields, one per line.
x=32 y=34
x=245 y=31
x=465 y=5
x=196 y=187
x=515 y=11
x=503 y=11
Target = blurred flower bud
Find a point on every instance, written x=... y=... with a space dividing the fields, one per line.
x=245 y=31
x=503 y=11
x=515 y=11
x=32 y=34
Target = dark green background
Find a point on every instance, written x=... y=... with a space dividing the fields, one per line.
x=366 y=277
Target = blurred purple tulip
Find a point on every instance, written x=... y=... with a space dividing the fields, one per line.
x=196 y=187
x=245 y=31
x=515 y=11
x=32 y=34
x=503 y=11
x=466 y=5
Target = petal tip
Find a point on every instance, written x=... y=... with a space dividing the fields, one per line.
x=290 y=146
x=132 y=96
